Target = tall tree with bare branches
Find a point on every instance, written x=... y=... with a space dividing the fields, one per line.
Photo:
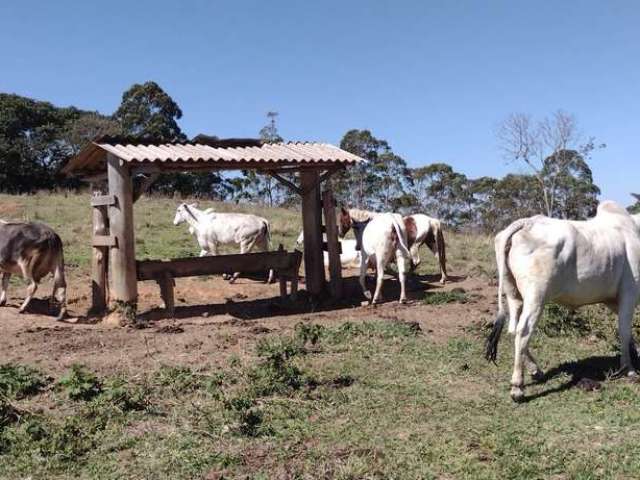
x=554 y=151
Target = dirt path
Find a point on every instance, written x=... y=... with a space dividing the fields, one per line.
x=214 y=321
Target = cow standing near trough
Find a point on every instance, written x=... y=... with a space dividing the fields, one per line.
x=383 y=239
x=33 y=250
x=572 y=263
x=212 y=228
x=425 y=230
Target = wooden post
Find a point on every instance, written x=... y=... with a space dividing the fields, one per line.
x=122 y=258
x=333 y=246
x=166 y=283
x=312 y=228
x=100 y=256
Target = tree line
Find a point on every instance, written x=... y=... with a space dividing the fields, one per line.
x=37 y=138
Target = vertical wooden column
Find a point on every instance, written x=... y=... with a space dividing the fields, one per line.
x=333 y=245
x=312 y=228
x=122 y=258
x=100 y=255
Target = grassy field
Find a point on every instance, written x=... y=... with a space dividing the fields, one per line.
x=328 y=397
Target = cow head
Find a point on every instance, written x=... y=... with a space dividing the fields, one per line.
x=344 y=222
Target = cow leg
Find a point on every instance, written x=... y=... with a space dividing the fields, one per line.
x=626 y=308
x=402 y=275
x=515 y=310
x=245 y=247
x=379 y=278
x=31 y=291
x=364 y=261
x=60 y=290
x=536 y=372
x=263 y=245
x=530 y=314
x=3 y=288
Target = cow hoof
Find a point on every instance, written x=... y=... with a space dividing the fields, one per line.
x=402 y=301
x=517 y=394
x=226 y=276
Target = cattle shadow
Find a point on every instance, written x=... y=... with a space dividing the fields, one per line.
x=586 y=373
x=253 y=309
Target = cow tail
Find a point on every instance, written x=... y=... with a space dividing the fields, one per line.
x=267 y=233
x=502 y=247
x=442 y=252
x=401 y=242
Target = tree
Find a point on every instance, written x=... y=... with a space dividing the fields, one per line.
x=635 y=208
x=33 y=143
x=443 y=193
x=550 y=149
x=147 y=110
x=380 y=183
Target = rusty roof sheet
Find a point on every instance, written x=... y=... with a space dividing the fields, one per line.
x=234 y=154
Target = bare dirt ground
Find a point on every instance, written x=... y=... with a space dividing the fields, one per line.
x=214 y=320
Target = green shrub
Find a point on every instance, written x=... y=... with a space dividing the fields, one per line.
x=247 y=417
x=117 y=392
x=80 y=383
x=19 y=381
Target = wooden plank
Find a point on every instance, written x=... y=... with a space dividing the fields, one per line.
x=103 y=200
x=334 y=247
x=100 y=255
x=312 y=228
x=105 y=241
x=197 y=266
x=122 y=260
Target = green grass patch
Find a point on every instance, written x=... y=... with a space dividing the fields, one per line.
x=450 y=296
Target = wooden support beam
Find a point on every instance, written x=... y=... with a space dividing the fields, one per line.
x=100 y=254
x=333 y=245
x=312 y=228
x=122 y=260
x=103 y=200
x=286 y=182
x=327 y=174
x=218 y=264
x=105 y=241
x=141 y=186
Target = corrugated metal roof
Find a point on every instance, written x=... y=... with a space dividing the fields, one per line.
x=223 y=154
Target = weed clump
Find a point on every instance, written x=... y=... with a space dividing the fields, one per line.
x=19 y=381
x=276 y=372
x=442 y=298
x=80 y=383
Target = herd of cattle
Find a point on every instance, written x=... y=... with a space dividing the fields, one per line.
x=539 y=259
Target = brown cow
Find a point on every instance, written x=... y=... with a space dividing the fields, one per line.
x=32 y=250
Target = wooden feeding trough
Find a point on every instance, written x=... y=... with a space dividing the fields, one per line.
x=111 y=163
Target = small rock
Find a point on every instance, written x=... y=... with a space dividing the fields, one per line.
x=205 y=314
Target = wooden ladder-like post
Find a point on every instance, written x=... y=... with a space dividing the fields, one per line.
x=122 y=259
x=312 y=229
x=100 y=249
x=333 y=244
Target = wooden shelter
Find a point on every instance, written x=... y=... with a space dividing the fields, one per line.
x=111 y=163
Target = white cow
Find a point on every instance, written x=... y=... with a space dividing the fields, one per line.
x=349 y=255
x=212 y=229
x=572 y=263
x=422 y=229
x=383 y=240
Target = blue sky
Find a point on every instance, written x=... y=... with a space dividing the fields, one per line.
x=432 y=78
